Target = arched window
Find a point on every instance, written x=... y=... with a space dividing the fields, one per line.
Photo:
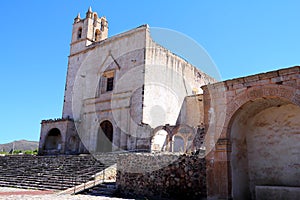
x=95 y=20
x=79 y=33
x=97 y=35
x=95 y=16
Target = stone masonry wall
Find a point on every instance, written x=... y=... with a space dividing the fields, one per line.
x=175 y=176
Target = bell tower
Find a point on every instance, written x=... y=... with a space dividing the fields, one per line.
x=88 y=30
x=85 y=32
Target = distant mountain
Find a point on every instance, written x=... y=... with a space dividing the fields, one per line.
x=19 y=145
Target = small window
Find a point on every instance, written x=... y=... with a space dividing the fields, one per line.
x=106 y=82
x=79 y=33
x=110 y=84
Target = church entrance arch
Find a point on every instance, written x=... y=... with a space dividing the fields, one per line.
x=53 y=140
x=105 y=137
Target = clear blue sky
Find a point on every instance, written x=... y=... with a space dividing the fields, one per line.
x=242 y=37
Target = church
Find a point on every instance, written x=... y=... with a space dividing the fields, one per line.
x=122 y=93
x=129 y=93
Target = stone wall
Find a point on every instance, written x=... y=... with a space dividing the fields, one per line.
x=168 y=80
x=191 y=111
x=157 y=176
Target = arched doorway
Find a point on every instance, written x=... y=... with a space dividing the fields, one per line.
x=53 y=140
x=105 y=137
x=263 y=134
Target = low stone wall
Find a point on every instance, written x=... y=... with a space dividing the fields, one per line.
x=107 y=159
x=157 y=176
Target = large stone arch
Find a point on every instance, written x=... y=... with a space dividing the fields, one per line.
x=253 y=103
x=262 y=136
x=256 y=139
x=53 y=140
x=285 y=92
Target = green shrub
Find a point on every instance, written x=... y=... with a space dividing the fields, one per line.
x=17 y=151
x=30 y=152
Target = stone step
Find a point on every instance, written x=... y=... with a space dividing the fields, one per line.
x=104 y=189
x=46 y=172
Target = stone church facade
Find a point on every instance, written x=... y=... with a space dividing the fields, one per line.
x=121 y=92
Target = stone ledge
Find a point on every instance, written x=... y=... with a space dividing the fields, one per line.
x=55 y=120
x=276 y=74
x=277 y=192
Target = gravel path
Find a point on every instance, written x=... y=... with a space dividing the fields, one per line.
x=15 y=193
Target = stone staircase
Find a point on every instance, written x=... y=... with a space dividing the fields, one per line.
x=48 y=172
x=107 y=189
x=107 y=176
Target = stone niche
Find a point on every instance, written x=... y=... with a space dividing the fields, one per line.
x=264 y=150
x=59 y=136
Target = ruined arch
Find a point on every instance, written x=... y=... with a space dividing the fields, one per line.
x=261 y=132
x=182 y=138
x=160 y=140
x=53 y=140
x=105 y=137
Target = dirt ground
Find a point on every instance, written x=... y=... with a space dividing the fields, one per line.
x=24 y=194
